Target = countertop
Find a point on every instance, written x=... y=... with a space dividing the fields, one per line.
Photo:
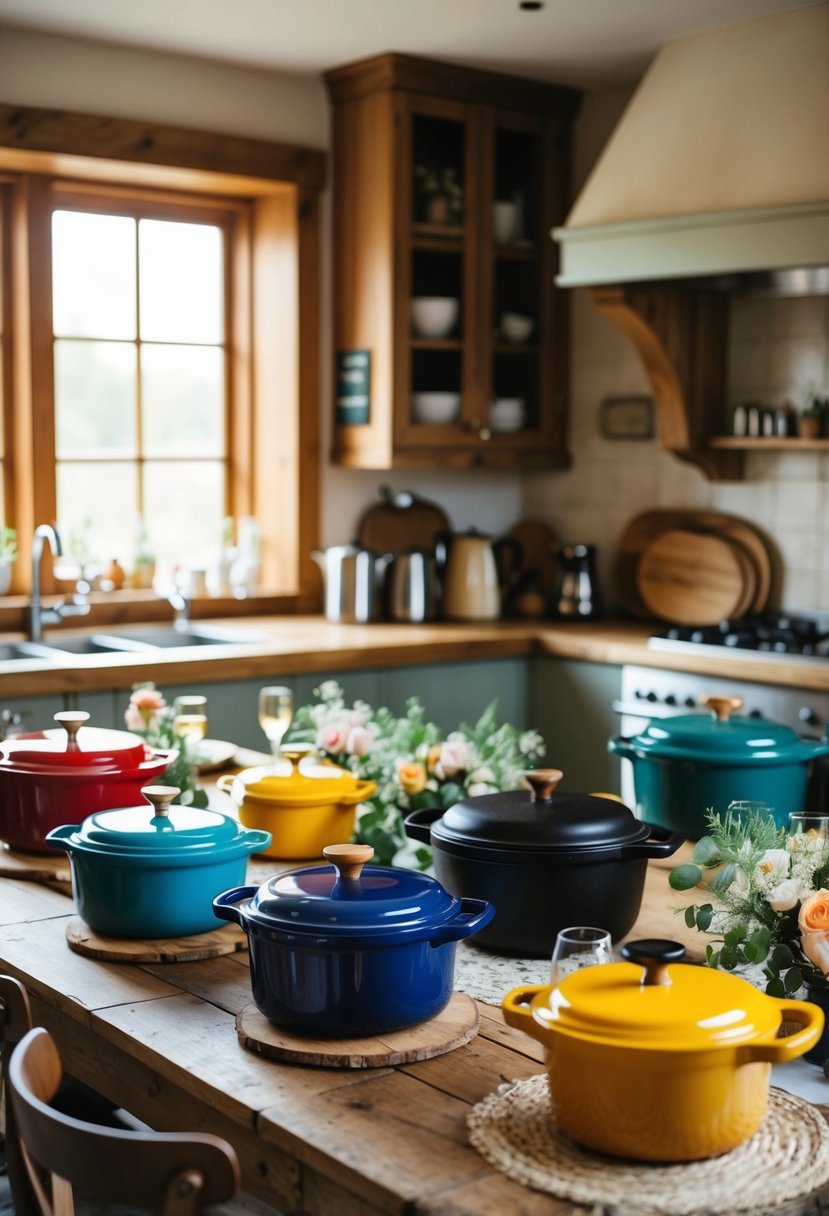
x=308 y=644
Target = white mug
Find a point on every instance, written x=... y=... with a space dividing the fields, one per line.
x=505 y=222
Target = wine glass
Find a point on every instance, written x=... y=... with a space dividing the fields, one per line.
x=812 y=824
x=190 y=718
x=276 y=709
x=577 y=947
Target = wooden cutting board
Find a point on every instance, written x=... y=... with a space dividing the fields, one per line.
x=645 y=527
x=692 y=578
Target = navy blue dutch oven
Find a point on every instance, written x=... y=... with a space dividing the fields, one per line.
x=344 y=951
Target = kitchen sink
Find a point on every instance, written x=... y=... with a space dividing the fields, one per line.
x=94 y=643
x=11 y=652
x=167 y=636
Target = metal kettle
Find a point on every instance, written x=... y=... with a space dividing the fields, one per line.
x=411 y=590
x=351 y=577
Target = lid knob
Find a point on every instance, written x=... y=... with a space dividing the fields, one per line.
x=296 y=752
x=654 y=954
x=542 y=782
x=160 y=797
x=723 y=707
x=71 y=720
x=348 y=859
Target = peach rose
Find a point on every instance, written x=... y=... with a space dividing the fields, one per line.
x=454 y=759
x=814 y=913
x=816 y=948
x=412 y=777
x=433 y=758
x=144 y=707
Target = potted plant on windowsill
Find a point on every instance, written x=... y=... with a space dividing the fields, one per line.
x=8 y=554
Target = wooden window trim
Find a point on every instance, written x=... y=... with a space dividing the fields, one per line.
x=277 y=251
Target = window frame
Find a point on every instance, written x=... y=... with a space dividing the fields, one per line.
x=273 y=193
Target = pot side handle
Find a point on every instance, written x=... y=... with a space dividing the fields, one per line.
x=224 y=782
x=256 y=840
x=809 y=1017
x=472 y=916
x=362 y=791
x=224 y=905
x=168 y=754
x=58 y=838
x=516 y=1010
x=661 y=842
x=418 y=823
x=618 y=745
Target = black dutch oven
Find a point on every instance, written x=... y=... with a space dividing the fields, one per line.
x=545 y=860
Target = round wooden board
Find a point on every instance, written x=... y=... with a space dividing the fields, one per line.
x=692 y=578
x=215 y=943
x=646 y=526
x=456 y=1025
x=52 y=869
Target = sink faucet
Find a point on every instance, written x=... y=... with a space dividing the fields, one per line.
x=179 y=601
x=38 y=614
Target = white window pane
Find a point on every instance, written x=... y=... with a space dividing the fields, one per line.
x=97 y=504
x=182 y=390
x=181 y=282
x=93 y=285
x=95 y=401
x=184 y=505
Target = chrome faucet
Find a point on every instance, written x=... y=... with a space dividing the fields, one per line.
x=38 y=614
x=180 y=602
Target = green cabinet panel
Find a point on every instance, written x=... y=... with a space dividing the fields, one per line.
x=459 y=692
x=571 y=703
x=37 y=712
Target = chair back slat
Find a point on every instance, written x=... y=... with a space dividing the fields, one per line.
x=162 y=1171
x=15 y=1022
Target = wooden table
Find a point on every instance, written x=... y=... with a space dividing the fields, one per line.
x=160 y=1040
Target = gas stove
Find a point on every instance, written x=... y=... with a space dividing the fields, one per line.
x=788 y=637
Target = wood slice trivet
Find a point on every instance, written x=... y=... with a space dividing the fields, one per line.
x=212 y=944
x=37 y=867
x=456 y=1025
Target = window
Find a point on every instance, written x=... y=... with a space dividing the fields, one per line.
x=165 y=347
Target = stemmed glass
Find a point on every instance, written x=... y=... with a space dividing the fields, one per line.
x=577 y=947
x=190 y=718
x=276 y=710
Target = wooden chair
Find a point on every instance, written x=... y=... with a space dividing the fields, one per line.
x=170 y=1173
x=15 y=1023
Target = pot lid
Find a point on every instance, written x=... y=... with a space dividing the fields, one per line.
x=289 y=781
x=156 y=829
x=724 y=737
x=657 y=1002
x=540 y=820
x=73 y=746
x=349 y=899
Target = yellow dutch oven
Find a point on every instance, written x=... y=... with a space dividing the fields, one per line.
x=304 y=809
x=660 y=1062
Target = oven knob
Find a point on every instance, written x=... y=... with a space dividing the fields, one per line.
x=755 y=713
x=651 y=696
x=807 y=714
x=670 y=699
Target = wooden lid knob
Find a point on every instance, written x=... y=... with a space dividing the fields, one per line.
x=723 y=707
x=296 y=752
x=160 y=797
x=72 y=720
x=348 y=859
x=542 y=782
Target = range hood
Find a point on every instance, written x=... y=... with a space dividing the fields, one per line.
x=718 y=167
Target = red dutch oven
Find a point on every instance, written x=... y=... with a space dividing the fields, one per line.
x=53 y=777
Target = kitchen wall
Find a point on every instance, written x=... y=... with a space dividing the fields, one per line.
x=779 y=348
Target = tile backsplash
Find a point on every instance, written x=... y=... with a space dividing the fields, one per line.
x=778 y=351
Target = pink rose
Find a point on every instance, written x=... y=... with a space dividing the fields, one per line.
x=144 y=707
x=333 y=738
x=453 y=759
x=360 y=741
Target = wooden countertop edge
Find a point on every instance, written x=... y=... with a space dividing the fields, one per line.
x=293 y=645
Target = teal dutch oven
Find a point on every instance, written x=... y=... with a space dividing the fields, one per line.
x=692 y=763
x=153 y=870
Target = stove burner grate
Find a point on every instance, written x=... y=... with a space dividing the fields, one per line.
x=773 y=634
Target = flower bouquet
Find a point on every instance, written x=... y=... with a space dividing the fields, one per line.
x=768 y=902
x=149 y=716
x=412 y=763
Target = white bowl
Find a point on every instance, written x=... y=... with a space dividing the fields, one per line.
x=436 y=409
x=434 y=316
x=507 y=414
x=515 y=327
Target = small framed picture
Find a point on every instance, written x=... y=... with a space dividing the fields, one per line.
x=626 y=418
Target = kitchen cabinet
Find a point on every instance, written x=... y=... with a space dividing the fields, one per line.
x=570 y=703
x=447 y=182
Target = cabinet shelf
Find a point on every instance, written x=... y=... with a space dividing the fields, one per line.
x=760 y=443
x=436 y=343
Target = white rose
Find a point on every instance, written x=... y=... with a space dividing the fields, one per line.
x=481 y=787
x=360 y=741
x=739 y=883
x=454 y=757
x=483 y=773
x=784 y=895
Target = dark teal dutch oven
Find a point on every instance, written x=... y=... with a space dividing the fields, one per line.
x=153 y=870
x=692 y=763
x=344 y=951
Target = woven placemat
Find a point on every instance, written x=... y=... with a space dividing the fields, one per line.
x=787 y=1158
